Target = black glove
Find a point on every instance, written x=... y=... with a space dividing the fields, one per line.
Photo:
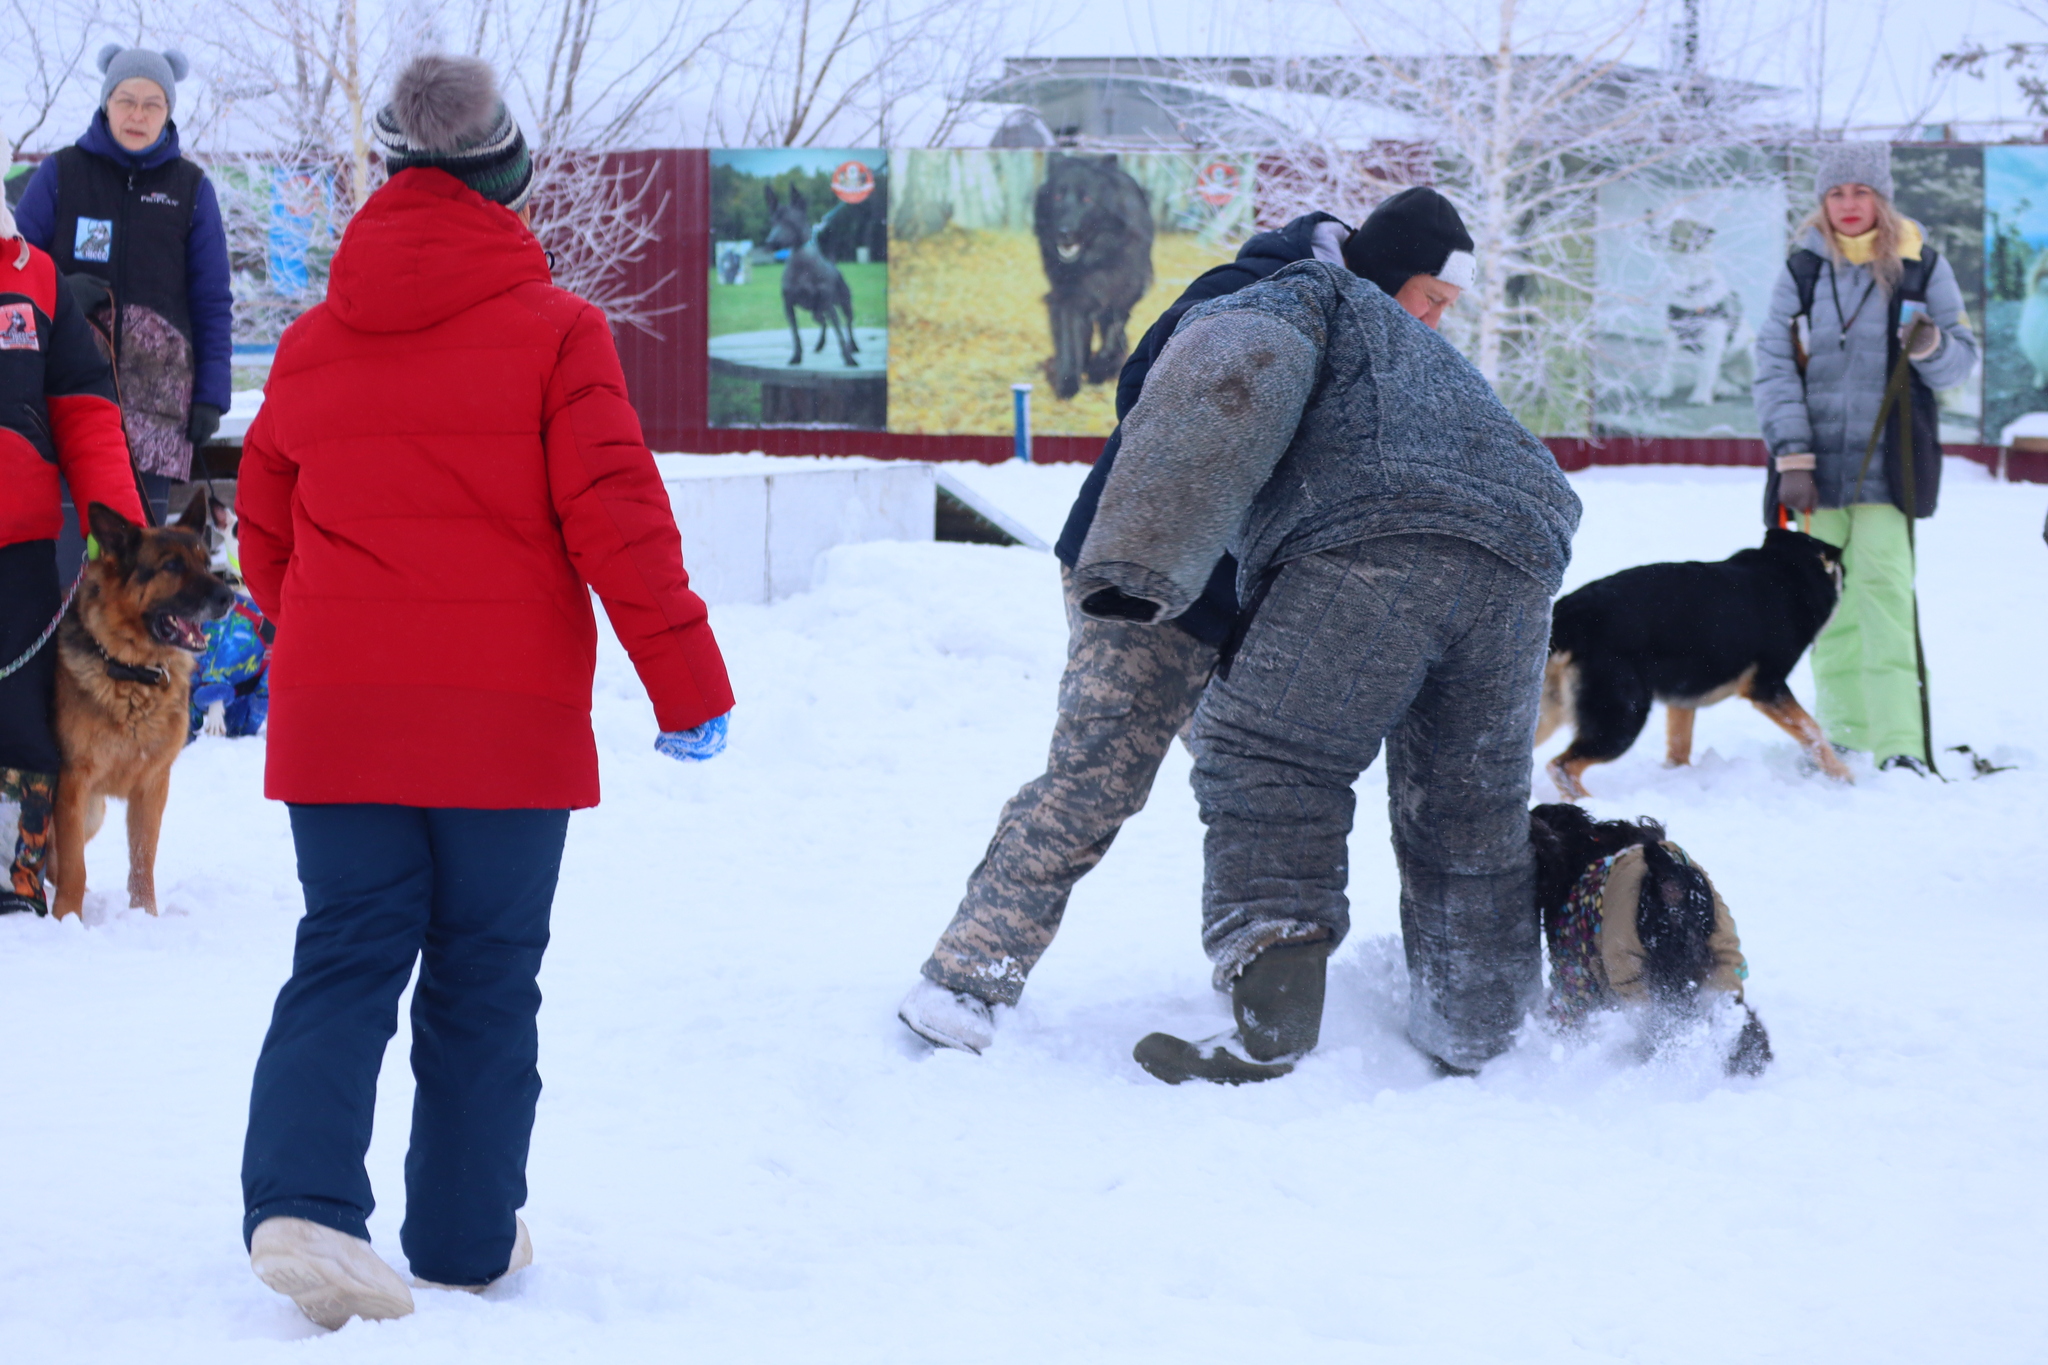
x=1797 y=490
x=204 y=422
x=89 y=292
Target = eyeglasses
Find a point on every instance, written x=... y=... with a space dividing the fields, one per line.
x=128 y=104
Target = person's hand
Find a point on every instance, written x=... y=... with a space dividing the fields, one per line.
x=204 y=422
x=89 y=292
x=1921 y=338
x=693 y=746
x=1797 y=490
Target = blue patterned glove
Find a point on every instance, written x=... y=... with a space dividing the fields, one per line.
x=694 y=746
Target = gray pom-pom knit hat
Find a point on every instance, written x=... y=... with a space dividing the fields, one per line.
x=124 y=63
x=445 y=112
x=1853 y=163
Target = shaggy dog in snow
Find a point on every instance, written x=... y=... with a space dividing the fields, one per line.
x=125 y=656
x=1094 y=227
x=1632 y=923
x=1687 y=635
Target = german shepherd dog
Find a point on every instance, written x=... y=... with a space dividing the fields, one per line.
x=1094 y=227
x=1687 y=635
x=1666 y=959
x=809 y=281
x=124 y=679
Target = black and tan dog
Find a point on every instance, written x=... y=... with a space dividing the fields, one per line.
x=1687 y=635
x=124 y=680
x=1633 y=923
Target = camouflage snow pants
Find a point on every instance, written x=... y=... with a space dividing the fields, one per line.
x=27 y=804
x=1127 y=691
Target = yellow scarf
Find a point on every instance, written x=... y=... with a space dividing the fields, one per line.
x=1856 y=250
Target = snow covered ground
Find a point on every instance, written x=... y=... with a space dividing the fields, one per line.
x=741 y=1156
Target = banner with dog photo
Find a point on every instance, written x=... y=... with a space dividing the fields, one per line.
x=799 y=295
x=1684 y=267
x=1043 y=267
x=2015 y=326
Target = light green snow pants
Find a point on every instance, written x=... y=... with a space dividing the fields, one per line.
x=1863 y=663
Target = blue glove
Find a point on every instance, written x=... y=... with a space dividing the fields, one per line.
x=694 y=746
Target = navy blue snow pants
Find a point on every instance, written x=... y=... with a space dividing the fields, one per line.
x=466 y=893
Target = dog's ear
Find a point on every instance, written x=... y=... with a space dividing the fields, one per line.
x=195 y=517
x=768 y=192
x=1560 y=820
x=117 y=535
x=797 y=200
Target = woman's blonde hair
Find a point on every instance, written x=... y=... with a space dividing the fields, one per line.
x=1885 y=262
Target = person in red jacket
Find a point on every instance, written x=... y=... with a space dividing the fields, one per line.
x=444 y=466
x=57 y=417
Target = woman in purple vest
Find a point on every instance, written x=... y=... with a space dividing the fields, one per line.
x=136 y=231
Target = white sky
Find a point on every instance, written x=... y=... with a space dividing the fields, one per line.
x=1878 y=54
x=1862 y=63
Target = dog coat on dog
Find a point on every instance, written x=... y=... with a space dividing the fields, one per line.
x=1597 y=961
x=234 y=671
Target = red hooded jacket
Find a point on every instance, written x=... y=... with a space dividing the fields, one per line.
x=57 y=410
x=444 y=459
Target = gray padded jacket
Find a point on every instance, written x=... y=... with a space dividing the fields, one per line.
x=1302 y=413
x=1832 y=411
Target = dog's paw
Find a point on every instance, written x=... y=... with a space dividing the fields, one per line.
x=1829 y=762
x=216 y=721
x=1569 y=788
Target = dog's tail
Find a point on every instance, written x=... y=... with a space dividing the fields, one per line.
x=1560 y=695
x=1675 y=923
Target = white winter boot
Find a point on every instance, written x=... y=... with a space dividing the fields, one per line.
x=948 y=1018
x=330 y=1275
x=522 y=1257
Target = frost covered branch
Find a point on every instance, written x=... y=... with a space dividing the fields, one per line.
x=1524 y=122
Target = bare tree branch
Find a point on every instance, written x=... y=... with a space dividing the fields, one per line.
x=1523 y=129
x=47 y=41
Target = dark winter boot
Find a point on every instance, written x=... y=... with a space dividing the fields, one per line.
x=1174 y=1060
x=1278 y=999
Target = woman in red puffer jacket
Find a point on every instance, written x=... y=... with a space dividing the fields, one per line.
x=57 y=417
x=444 y=466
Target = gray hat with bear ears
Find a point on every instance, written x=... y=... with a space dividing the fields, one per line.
x=1853 y=163
x=123 y=63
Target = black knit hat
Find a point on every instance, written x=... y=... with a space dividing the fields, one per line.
x=445 y=112
x=1416 y=232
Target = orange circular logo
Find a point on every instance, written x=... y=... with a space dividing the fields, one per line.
x=1217 y=184
x=853 y=182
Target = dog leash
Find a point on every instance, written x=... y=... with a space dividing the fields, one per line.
x=48 y=630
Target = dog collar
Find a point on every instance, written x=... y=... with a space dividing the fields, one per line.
x=155 y=675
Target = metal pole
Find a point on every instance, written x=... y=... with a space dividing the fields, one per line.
x=1020 y=413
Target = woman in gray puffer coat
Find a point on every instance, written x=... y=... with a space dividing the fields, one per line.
x=1823 y=362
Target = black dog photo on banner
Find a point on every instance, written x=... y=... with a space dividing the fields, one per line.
x=1043 y=267
x=798 y=319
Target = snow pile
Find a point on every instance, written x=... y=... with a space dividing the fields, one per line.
x=741 y=1156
